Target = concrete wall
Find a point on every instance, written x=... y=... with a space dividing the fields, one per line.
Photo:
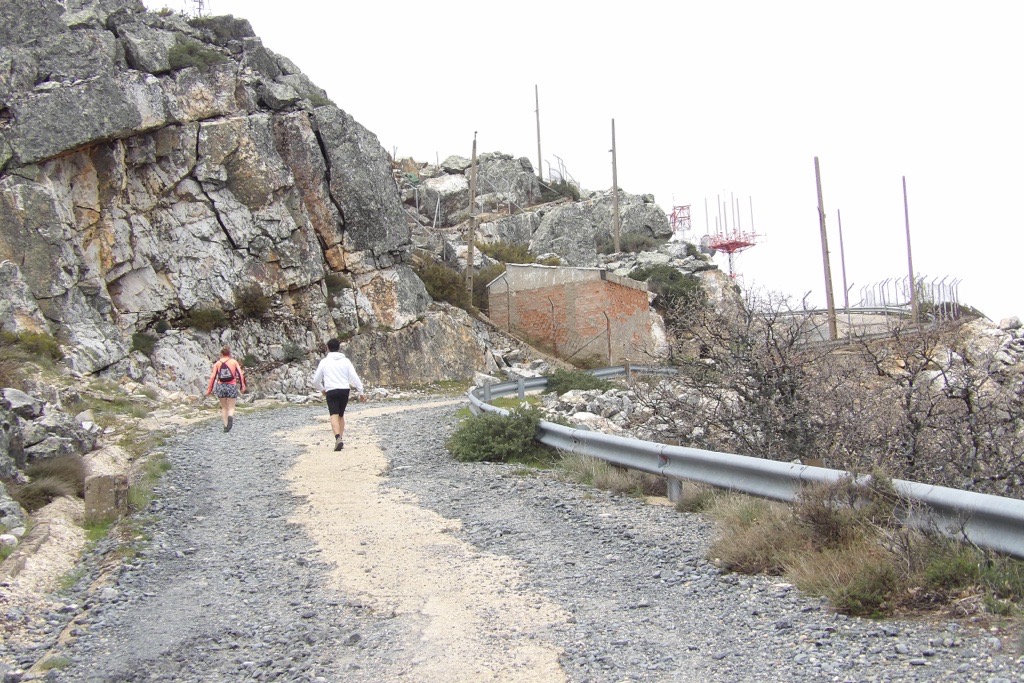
x=577 y=313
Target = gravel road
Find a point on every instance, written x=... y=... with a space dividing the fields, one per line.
x=270 y=557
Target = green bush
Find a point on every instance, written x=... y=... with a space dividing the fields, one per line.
x=190 y=53
x=561 y=381
x=671 y=286
x=161 y=326
x=559 y=189
x=293 y=352
x=144 y=342
x=252 y=302
x=550 y=261
x=39 y=345
x=498 y=438
x=507 y=252
x=480 y=281
x=629 y=243
x=444 y=283
x=337 y=282
x=206 y=319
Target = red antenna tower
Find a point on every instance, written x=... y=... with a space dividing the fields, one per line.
x=729 y=236
x=680 y=219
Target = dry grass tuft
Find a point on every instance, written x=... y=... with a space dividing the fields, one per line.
x=597 y=473
x=755 y=535
x=696 y=497
x=844 y=541
x=858 y=578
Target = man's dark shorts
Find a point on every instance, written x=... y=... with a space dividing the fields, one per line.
x=337 y=399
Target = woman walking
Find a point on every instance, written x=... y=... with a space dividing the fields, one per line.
x=226 y=381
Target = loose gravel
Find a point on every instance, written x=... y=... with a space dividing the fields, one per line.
x=229 y=584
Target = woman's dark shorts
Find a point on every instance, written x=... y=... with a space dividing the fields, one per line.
x=337 y=399
x=225 y=390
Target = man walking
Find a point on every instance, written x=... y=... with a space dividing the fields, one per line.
x=335 y=376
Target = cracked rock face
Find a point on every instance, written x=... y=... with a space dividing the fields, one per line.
x=139 y=187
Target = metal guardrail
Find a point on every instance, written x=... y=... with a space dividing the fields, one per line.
x=989 y=521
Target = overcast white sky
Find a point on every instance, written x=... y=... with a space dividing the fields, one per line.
x=715 y=99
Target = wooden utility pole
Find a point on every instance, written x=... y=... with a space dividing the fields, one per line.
x=615 y=195
x=471 y=239
x=914 y=318
x=540 y=162
x=832 y=331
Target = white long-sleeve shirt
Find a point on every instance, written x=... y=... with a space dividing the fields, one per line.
x=335 y=371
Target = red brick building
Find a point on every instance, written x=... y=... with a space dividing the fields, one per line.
x=579 y=314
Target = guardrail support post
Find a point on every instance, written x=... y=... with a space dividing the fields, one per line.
x=675 y=489
x=521 y=385
x=487 y=393
x=629 y=370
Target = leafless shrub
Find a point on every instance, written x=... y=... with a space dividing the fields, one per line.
x=926 y=404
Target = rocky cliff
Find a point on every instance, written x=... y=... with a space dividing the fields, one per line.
x=172 y=178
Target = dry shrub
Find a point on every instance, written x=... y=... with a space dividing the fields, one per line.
x=755 y=536
x=11 y=374
x=49 y=479
x=600 y=474
x=68 y=468
x=843 y=511
x=859 y=578
x=696 y=497
x=39 y=492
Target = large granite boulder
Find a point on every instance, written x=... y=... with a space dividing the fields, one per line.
x=12 y=515
x=12 y=444
x=27 y=20
x=442 y=345
x=515 y=229
x=75 y=55
x=148 y=48
x=444 y=199
x=569 y=231
x=639 y=215
x=363 y=188
x=511 y=178
x=137 y=194
x=573 y=230
x=18 y=310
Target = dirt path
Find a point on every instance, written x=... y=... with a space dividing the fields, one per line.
x=474 y=623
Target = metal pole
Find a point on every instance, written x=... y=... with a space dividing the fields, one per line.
x=849 y=316
x=719 y=228
x=472 y=224
x=608 y=327
x=910 y=259
x=554 y=330
x=833 y=334
x=732 y=207
x=540 y=166
x=615 y=193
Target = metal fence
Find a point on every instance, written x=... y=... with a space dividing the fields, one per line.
x=992 y=522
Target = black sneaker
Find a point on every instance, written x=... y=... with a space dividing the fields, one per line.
x=231 y=421
x=338 y=443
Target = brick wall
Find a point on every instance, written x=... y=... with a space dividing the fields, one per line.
x=571 y=311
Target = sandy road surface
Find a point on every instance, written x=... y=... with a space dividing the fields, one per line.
x=400 y=558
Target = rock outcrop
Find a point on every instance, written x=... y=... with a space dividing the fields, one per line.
x=154 y=168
